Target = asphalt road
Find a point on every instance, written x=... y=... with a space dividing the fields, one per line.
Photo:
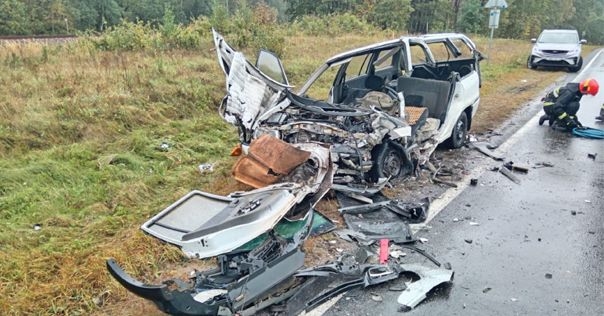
x=539 y=245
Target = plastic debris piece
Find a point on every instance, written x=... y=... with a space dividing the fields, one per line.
x=376 y=297
x=384 y=250
x=164 y=146
x=397 y=254
x=206 y=167
x=416 y=291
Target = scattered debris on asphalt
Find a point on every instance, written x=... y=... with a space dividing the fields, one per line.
x=486 y=290
x=543 y=164
x=592 y=156
x=548 y=275
x=474 y=182
x=506 y=172
x=484 y=148
x=376 y=297
x=469 y=241
x=511 y=166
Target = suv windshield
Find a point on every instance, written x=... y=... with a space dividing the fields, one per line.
x=559 y=38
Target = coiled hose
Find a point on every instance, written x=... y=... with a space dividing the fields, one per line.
x=589 y=132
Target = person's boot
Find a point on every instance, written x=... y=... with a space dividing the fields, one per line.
x=543 y=118
x=576 y=120
x=601 y=116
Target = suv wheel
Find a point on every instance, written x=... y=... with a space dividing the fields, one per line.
x=529 y=63
x=576 y=67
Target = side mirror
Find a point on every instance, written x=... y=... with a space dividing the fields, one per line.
x=583 y=41
x=533 y=40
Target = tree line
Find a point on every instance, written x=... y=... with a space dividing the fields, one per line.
x=521 y=19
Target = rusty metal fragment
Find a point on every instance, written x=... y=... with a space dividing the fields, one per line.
x=268 y=159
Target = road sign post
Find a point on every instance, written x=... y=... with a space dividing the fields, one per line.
x=495 y=6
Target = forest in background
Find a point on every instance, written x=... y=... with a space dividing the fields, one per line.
x=521 y=20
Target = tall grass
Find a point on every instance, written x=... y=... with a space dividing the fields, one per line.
x=96 y=136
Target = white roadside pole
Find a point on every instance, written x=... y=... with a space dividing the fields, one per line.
x=495 y=6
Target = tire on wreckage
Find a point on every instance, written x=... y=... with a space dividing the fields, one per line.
x=389 y=161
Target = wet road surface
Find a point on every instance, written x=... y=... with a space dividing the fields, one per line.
x=538 y=248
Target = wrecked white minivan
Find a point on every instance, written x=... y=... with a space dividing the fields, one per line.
x=388 y=107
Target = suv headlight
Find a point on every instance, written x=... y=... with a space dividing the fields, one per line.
x=574 y=52
x=536 y=51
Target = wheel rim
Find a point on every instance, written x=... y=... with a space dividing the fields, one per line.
x=459 y=131
x=392 y=164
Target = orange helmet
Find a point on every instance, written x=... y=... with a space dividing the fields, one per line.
x=589 y=86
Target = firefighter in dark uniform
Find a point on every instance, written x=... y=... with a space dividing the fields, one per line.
x=562 y=104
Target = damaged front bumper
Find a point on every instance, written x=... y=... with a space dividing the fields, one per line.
x=241 y=280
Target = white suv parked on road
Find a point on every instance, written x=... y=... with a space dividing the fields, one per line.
x=557 y=48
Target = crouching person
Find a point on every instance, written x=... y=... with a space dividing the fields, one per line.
x=562 y=104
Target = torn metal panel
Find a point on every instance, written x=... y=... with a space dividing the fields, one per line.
x=278 y=155
x=247 y=95
x=269 y=159
x=253 y=173
x=416 y=292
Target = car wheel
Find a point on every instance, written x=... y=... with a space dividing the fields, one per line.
x=459 y=133
x=389 y=161
x=529 y=63
x=576 y=67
